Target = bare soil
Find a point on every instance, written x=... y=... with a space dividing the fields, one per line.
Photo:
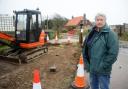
x=64 y=57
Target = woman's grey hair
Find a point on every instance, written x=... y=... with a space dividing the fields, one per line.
x=100 y=14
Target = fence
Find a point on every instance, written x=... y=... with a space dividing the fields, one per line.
x=6 y=23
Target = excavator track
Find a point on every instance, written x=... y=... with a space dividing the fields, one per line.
x=24 y=56
x=29 y=55
x=11 y=60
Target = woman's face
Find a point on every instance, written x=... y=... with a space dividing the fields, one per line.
x=100 y=21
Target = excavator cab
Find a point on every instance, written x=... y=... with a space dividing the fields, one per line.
x=27 y=26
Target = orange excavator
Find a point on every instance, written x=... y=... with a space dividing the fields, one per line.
x=29 y=41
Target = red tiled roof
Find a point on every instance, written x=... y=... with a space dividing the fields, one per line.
x=75 y=21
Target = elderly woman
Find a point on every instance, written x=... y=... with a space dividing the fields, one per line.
x=100 y=50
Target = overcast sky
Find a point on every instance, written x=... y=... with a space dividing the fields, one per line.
x=115 y=10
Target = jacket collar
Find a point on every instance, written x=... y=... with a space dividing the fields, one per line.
x=103 y=29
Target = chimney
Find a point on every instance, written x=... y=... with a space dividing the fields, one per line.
x=72 y=17
x=84 y=19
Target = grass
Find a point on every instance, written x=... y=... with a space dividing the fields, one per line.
x=124 y=36
x=2 y=48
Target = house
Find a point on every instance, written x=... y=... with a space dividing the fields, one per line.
x=119 y=29
x=76 y=22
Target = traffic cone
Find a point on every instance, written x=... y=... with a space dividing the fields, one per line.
x=36 y=81
x=80 y=79
x=47 y=38
x=56 y=39
x=69 y=40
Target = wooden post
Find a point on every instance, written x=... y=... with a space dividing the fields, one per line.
x=81 y=35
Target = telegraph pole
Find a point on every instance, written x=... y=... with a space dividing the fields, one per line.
x=47 y=22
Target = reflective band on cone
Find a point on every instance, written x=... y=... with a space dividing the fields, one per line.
x=37 y=86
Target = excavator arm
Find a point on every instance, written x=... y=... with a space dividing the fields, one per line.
x=8 y=40
x=6 y=37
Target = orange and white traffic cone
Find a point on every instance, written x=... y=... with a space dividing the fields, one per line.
x=80 y=79
x=36 y=81
x=69 y=40
x=47 y=38
x=56 y=39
